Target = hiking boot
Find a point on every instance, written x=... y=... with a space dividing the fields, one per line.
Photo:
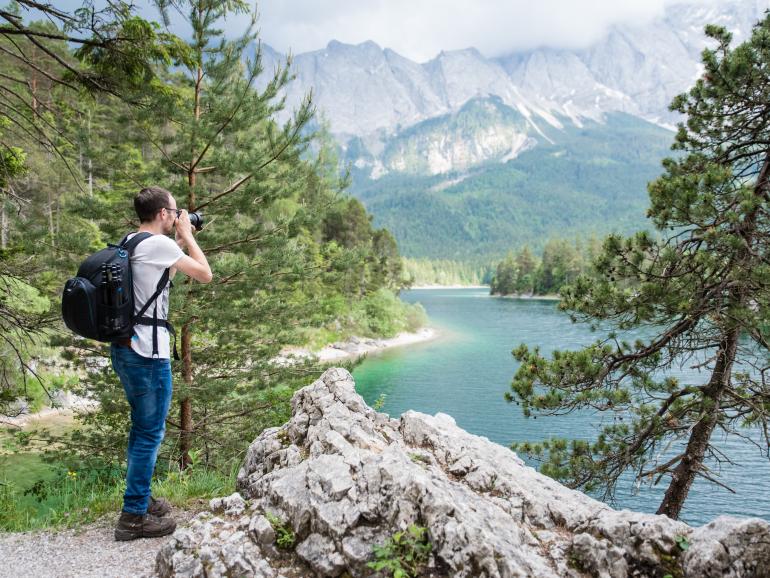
x=132 y=526
x=159 y=507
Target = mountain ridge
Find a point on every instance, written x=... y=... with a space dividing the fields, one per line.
x=465 y=156
x=364 y=88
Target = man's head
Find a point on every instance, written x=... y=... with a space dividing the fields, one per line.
x=156 y=205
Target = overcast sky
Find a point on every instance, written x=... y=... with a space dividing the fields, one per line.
x=419 y=29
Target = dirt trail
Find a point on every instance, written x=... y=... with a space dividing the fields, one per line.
x=87 y=552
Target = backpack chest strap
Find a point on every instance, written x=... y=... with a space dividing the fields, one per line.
x=154 y=322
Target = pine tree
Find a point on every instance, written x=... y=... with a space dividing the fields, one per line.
x=701 y=284
x=222 y=153
x=116 y=53
x=561 y=264
x=51 y=71
x=506 y=274
x=526 y=266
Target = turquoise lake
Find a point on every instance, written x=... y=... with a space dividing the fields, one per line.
x=466 y=370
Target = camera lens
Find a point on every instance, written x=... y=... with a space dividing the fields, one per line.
x=196 y=220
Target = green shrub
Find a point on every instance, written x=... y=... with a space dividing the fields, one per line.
x=416 y=316
x=382 y=311
x=404 y=554
x=284 y=536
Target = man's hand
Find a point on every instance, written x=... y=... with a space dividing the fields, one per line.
x=183 y=230
x=195 y=264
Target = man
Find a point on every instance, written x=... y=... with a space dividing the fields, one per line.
x=143 y=363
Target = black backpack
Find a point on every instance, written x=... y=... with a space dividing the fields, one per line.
x=99 y=302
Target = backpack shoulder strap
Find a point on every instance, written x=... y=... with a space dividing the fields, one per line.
x=158 y=290
x=139 y=318
x=130 y=244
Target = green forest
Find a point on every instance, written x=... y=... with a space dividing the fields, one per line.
x=96 y=104
x=584 y=181
x=561 y=263
x=445 y=272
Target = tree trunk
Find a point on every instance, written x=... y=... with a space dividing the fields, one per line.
x=185 y=406
x=692 y=462
x=684 y=474
x=3 y=225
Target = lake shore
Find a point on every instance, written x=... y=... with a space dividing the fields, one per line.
x=358 y=346
x=450 y=287
x=550 y=297
x=349 y=349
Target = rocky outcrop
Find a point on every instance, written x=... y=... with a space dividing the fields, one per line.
x=483 y=130
x=316 y=495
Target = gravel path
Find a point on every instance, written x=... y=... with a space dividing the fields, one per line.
x=87 y=552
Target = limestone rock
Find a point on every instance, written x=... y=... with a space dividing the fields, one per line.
x=317 y=494
x=232 y=505
x=729 y=547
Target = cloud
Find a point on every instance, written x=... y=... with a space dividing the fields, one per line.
x=419 y=29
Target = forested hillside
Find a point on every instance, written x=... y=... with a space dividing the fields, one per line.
x=592 y=180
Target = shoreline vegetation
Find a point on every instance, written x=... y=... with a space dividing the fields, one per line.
x=529 y=296
x=560 y=264
x=350 y=348
x=355 y=347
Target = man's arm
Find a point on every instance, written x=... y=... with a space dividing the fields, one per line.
x=194 y=264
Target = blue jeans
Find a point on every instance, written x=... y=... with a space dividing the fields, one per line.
x=147 y=383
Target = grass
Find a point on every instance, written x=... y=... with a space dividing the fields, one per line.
x=68 y=498
x=35 y=494
x=284 y=537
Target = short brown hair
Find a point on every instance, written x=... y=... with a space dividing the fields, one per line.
x=149 y=201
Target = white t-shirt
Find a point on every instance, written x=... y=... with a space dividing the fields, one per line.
x=148 y=261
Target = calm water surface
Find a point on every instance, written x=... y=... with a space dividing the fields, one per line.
x=466 y=371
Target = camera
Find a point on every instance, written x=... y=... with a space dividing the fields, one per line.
x=196 y=220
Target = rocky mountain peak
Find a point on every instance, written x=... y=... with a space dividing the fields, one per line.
x=374 y=94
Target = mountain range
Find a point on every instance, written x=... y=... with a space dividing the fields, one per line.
x=431 y=126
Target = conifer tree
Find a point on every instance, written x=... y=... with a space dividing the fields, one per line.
x=700 y=286
x=115 y=53
x=526 y=267
x=506 y=274
x=561 y=264
x=53 y=71
x=222 y=153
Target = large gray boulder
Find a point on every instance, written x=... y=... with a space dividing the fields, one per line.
x=317 y=494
